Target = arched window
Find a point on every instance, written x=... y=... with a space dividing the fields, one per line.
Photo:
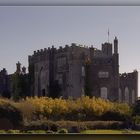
x=83 y=71
x=133 y=96
x=120 y=95
x=43 y=81
x=126 y=93
x=104 y=92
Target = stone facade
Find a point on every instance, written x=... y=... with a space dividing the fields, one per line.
x=61 y=68
x=104 y=72
x=75 y=70
x=128 y=90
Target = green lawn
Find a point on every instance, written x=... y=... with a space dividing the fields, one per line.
x=125 y=131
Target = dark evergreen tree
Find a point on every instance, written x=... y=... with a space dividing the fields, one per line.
x=19 y=86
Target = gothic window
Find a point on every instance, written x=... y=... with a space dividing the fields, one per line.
x=120 y=95
x=104 y=92
x=43 y=80
x=42 y=77
x=133 y=96
x=126 y=93
x=83 y=71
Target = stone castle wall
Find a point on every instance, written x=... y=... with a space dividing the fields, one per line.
x=65 y=70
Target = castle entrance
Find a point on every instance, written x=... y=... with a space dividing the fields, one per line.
x=43 y=92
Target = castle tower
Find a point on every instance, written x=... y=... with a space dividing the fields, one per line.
x=24 y=70
x=116 y=68
x=116 y=56
x=115 y=45
x=107 y=48
x=18 y=70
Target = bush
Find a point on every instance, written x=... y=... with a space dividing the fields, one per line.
x=42 y=125
x=10 y=112
x=3 y=132
x=13 y=131
x=76 y=127
x=49 y=132
x=81 y=109
x=54 y=127
x=136 y=108
x=63 y=131
x=136 y=119
x=112 y=115
x=37 y=125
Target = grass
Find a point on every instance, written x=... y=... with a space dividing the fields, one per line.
x=125 y=131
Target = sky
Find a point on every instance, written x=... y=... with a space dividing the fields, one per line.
x=69 y=2
x=24 y=29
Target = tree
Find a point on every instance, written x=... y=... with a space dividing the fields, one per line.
x=19 y=86
x=136 y=108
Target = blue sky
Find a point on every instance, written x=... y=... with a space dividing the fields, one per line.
x=25 y=29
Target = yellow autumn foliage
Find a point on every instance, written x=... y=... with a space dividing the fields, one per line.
x=58 y=108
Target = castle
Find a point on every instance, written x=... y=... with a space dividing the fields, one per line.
x=78 y=70
x=75 y=70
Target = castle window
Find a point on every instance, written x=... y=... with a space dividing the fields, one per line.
x=61 y=61
x=120 y=95
x=42 y=81
x=83 y=71
x=103 y=74
x=104 y=92
x=126 y=92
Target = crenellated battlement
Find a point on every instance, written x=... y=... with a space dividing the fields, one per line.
x=43 y=53
x=131 y=75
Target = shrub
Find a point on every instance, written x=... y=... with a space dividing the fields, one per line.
x=54 y=127
x=76 y=127
x=38 y=132
x=63 y=131
x=136 y=119
x=104 y=125
x=136 y=108
x=81 y=109
x=36 y=125
x=10 y=112
x=10 y=131
x=3 y=132
x=30 y=132
x=49 y=132
x=42 y=125
x=112 y=115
